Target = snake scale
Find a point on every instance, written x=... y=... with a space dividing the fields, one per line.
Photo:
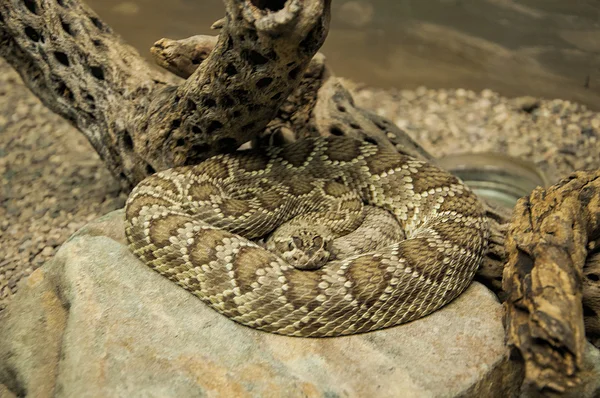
x=204 y=227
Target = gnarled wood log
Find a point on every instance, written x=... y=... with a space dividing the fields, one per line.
x=82 y=71
x=141 y=120
x=320 y=106
x=543 y=279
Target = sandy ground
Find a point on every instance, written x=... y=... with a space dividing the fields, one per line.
x=52 y=182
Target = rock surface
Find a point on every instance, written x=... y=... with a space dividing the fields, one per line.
x=99 y=323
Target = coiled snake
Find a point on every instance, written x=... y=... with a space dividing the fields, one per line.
x=204 y=227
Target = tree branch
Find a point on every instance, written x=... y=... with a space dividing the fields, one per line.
x=82 y=71
x=141 y=120
x=543 y=279
x=257 y=62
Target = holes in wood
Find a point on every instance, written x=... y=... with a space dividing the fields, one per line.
x=180 y=142
x=230 y=69
x=276 y=96
x=214 y=125
x=62 y=58
x=312 y=39
x=175 y=124
x=209 y=103
x=355 y=126
x=32 y=34
x=196 y=130
x=227 y=144
x=255 y=58
x=228 y=102
x=272 y=55
x=150 y=169
x=593 y=277
x=294 y=73
x=191 y=105
x=199 y=149
x=251 y=35
x=97 y=72
x=67 y=28
x=127 y=141
x=269 y=5
x=65 y=92
x=336 y=131
x=241 y=95
x=91 y=100
x=97 y=23
x=264 y=82
x=61 y=3
x=588 y=311
x=341 y=108
x=31 y=6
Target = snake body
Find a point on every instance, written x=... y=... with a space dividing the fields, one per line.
x=200 y=227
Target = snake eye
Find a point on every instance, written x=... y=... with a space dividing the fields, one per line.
x=318 y=241
x=297 y=242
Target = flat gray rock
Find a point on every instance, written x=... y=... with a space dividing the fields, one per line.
x=95 y=322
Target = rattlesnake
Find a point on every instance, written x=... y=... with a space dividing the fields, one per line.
x=186 y=223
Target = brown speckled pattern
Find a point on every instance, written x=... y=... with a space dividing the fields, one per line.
x=187 y=224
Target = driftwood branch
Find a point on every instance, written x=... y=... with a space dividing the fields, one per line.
x=183 y=57
x=141 y=120
x=82 y=71
x=321 y=105
x=547 y=244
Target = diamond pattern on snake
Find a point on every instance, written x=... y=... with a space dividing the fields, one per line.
x=323 y=237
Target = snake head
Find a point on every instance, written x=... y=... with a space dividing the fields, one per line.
x=305 y=247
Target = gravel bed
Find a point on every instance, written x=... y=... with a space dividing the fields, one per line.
x=52 y=181
x=557 y=136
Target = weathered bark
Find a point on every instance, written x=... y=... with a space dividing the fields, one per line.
x=490 y=271
x=258 y=60
x=319 y=106
x=82 y=71
x=141 y=120
x=547 y=244
x=591 y=293
x=183 y=57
